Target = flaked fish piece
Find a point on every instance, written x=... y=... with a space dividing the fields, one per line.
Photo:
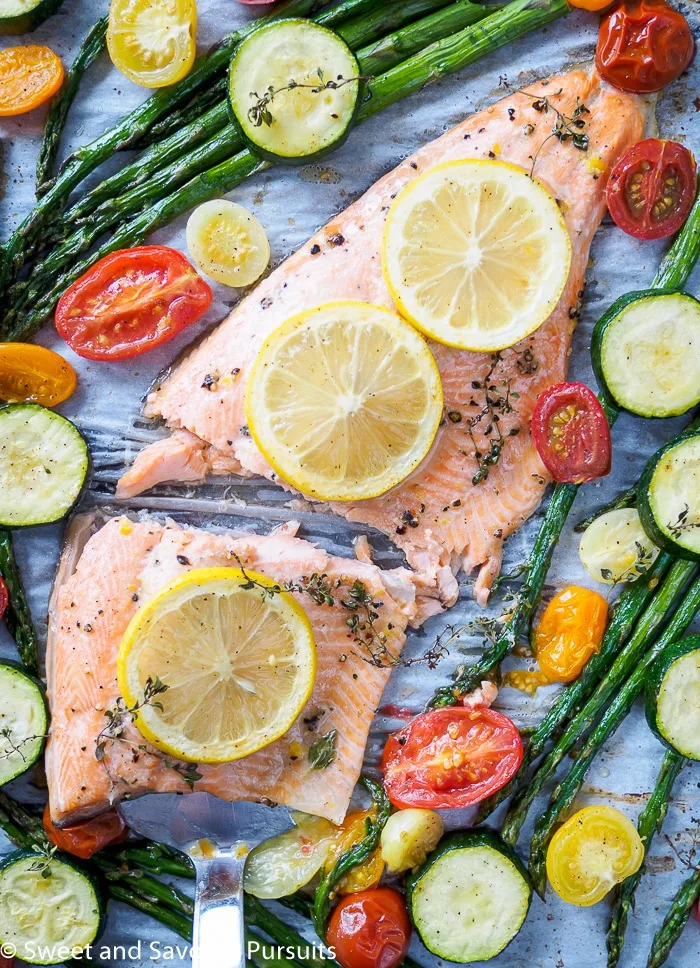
x=447 y=516
x=102 y=582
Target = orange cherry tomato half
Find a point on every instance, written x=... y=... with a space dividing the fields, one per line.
x=570 y=632
x=370 y=930
x=4 y=597
x=592 y=5
x=571 y=433
x=643 y=45
x=86 y=838
x=28 y=77
x=33 y=374
x=130 y=302
x=451 y=758
x=365 y=875
x=652 y=188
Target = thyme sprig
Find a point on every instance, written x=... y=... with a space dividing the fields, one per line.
x=43 y=863
x=566 y=127
x=682 y=524
x=498 y=397
x=259 y=113
x=14 y=746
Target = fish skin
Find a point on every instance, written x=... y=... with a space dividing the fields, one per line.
x=462 y=526
x=124 y=564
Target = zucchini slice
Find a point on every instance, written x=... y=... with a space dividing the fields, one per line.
x=470 y=898
x=23 y=722
x=293 y=89
x=673 y=697
x=43 y=465
x=668 y=497
x=23 y=16
x=646 y=353
x=50 y=910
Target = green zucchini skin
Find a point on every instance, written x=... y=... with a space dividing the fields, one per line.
x=482 y=837
x=649 y=523
x=652 y=686
x=25 y=23
x=17 y=668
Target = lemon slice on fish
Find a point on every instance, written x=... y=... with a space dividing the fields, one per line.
x=344 y=401
x=476 y=254
x=236 y=655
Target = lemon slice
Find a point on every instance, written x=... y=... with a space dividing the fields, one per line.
x=476 y=254
x=238 y=662
x=227 y=242
x=344 y=401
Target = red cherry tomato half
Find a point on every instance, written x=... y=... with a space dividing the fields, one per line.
x=370 y=929
x=130 y=302
x=571 y=433
x=643 y=45
x=4 y=597
x=652 y=188
x=86 y=838
x=451 y=758
x=6 y=962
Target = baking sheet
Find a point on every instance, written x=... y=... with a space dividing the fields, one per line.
x=292 y=204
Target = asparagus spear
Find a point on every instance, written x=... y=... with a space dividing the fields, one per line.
x=625 y=499
x=437 y=60
x=18 y=618
x=629 y=606
x=566 y=791
x=127 y=131
x=212 y=95
x=88 y=52
x=650 y=821
x=628 y=658
x=674 y=922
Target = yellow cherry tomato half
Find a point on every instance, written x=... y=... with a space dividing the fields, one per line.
x=30 y=373
x=366 y=875
x=591 y=4
x=593 y=851
x=570 y=632
x=28 y=77
x=152 y=42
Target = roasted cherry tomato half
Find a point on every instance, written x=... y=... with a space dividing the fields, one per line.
x=451 y=758
x=571 y=433
x=570 y=632
x=593 y=5
x=370 y=930
x=594 y=850
x=86 y=838
x=365 y=875
x=152 y=42
x=4 y=597
x=33 y=374
x=28 y=77
x=643 y=45
x=652 y=188
x=130 y=302
x=6 y=962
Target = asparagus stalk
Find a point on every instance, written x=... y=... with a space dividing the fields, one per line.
x=565 y=793
x=18 y=618
x=627 y=660
x=625 y=499
x=132 y=127
x=88 y=52
x=212 y=95
x=650 y=820
x=439 y=59
x=629 y=606
x=179 y=923
x=674 y=922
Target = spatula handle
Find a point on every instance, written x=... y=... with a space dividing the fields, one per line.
x=218 y=939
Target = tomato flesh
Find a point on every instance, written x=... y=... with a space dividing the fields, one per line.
x=152 y=42
x=643 y=45
x=130 y=302
x=592 y=5
x=34 y=374
x=570 y=631
x=652 y=188
x=86 y=838
x=451 y=758
x=370 y=930
x=365 y=875
x=29 y=76
x=571 y=433
x=4 y=597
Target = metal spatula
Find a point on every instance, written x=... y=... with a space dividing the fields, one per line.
x=218 y=836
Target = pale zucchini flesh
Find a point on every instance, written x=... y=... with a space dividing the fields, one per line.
x=650 y=355
x=21 y=16
x=674 y=495
x=23 y=723
x=678 y=705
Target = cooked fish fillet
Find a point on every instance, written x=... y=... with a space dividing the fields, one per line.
x=439 y=517
x=100 y=586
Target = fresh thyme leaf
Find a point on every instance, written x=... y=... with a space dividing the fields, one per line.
x=259 y=113
x=566 y=127
x=682 y=523
x=43 y=864
x=323 y=751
